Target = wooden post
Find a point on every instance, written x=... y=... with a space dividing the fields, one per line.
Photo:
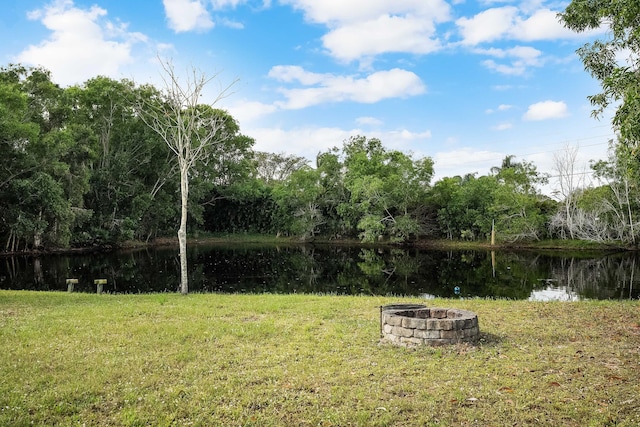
x=70 y=284
x=99 y=283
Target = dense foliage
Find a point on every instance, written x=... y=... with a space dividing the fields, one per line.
x=609 y=212
x=613 y=60
x=79 y=167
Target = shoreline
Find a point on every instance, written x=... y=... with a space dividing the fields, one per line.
x=435 y=244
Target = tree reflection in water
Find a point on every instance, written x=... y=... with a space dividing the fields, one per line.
x=333 y=269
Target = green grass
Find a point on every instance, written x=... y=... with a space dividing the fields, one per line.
x=305 y=360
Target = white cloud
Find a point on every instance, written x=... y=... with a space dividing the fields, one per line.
x=542 y=25
x=187 y=15
x=402 y=136
x=382 y=35
x=361 y=29
x=465 y=160
x=522 y=57
x=222 y=4
x=488 y=25
x=501 y=107
x=394 y=83
x=305 y=142
x=546 y=110
x=369 y=121
x=245 y=111
x=338 y=12
x=502 y=126
x=226 y=22
x=82 y=43
x=309 y=141
x=508 y=22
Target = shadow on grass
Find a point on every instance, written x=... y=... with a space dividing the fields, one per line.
x=489 y=340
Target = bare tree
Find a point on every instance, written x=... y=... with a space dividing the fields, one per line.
x=190 y=129
x=619 y=174
x=569 y=185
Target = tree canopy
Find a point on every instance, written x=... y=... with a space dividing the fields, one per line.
x=81 y=167
x=613 y=60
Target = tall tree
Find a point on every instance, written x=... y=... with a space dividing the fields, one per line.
x=190 y=129
x=299 y=199
x=387 y=188
x=613 y=60
x=517 y=205
x=133 y=181
x=36 y=153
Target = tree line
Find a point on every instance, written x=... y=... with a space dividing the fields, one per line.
x=84 y=166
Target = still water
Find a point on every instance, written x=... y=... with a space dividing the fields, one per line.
x=333 y=269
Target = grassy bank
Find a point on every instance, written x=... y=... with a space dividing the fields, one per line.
x=296 y=360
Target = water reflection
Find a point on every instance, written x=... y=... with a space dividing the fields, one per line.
x=552 y=293
x=337 y=270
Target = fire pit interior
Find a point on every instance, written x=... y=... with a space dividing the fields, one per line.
x=414 y=324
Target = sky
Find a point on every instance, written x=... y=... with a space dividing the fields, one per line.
x=466 y=83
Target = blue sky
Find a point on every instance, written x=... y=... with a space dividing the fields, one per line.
x=463 y=82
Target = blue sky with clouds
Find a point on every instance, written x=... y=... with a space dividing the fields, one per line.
x=464 y=82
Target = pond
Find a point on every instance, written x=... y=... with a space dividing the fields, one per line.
x=331 y=269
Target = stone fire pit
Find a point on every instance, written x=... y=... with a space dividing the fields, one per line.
x=414 y=324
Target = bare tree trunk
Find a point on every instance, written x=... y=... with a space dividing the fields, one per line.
x=182 y=231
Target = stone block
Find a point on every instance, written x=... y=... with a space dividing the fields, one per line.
x=402 y=332
x=413 y=323
x=470 y=322
x=387 y=329
x=439 y=313
x=453 y=313
x=432 y=324
x=472 y=332
x=429 y=335
x=446 y=324
x=452 y=335
x=423 y=313
x=392 y=320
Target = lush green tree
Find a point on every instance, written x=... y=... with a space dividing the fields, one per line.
x=518 y=207
x=363 y=189
x=387 y=188
x=613 y=60
x=79 y=165
x=298 y=200
x=17 y=131
x=235 y=197
x=465 y=206
x=336 y=207
x=132 y=181
x=442 y=197
x=35 y=178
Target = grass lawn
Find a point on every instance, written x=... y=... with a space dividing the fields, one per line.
x=307 y=360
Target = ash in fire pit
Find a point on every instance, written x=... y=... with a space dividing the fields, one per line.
x=418 y=325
